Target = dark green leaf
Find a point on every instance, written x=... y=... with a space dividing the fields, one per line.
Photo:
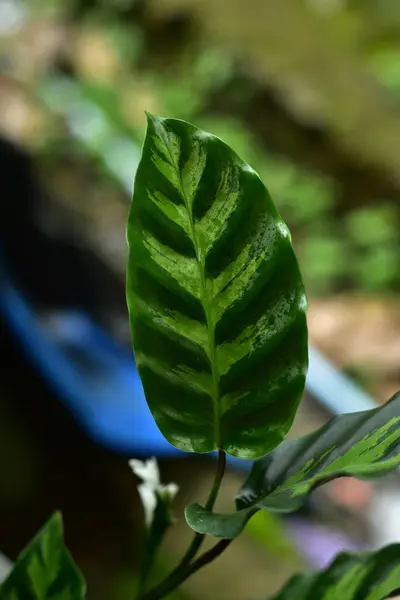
x=45 y=570
x=216 y=301
x=351 y=576
x=363 y=444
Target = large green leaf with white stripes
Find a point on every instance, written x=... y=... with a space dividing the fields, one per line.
x=351 y=576
x=45 y=570
x=216 y=301
x=364 y=444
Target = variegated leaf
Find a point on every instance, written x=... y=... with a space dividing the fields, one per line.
x=45 y=570
x=351 y=576
x=216 y=301
x=363 y=444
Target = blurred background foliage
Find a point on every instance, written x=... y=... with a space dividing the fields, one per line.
x=306 y=91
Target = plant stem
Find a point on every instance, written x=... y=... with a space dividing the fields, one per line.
x=149 y=553
x=199 y=537
x=183 y=569
x=182 y=573
x=219 y=473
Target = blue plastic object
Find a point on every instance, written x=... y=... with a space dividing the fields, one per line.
x=335 y=390
x=89 y=372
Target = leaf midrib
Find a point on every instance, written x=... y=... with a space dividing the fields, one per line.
x=206 y=302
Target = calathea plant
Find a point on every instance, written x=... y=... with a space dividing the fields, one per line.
x=218 y=317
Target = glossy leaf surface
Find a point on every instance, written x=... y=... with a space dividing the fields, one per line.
x=45 y=570
x=216 y=301
x=363 y=444
x=351 y=576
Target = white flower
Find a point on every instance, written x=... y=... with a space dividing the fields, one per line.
x=151 y=489
x=147 y=470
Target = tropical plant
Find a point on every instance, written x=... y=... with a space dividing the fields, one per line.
x=218 y=318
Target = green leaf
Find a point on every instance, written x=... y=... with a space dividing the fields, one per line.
x=45 y=570
x=363 y=444
x=351 y=576
x=216 y=300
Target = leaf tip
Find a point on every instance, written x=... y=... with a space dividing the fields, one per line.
x=56 y=519
x=152 y=119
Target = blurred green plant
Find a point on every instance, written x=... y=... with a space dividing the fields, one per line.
x=364 y=38
x=306 y=198
x=352 y=576
x=45 y=570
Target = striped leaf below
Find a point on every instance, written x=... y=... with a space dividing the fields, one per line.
x=363 y=444
x=351 y=576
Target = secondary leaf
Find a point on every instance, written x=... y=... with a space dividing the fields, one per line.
x=351 y=576
x=216 y=301
x=45 y=570
x=363 y=444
